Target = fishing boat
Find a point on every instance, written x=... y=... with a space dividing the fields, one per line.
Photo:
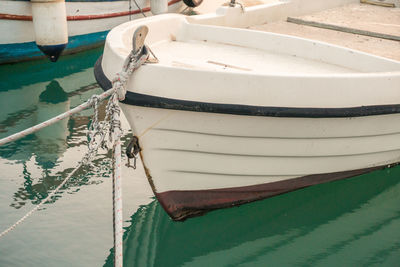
x=231 y=115
x=29 y=28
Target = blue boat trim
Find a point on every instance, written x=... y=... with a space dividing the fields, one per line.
x=150 y=101
x=17 y=52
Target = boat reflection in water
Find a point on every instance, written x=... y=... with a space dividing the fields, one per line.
x=353 y=222
x=52 y=101
x=32 y=97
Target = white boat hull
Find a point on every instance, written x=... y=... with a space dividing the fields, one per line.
x=201 y=153
x=196 y=151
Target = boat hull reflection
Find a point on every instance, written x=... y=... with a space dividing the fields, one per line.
x=331 y=223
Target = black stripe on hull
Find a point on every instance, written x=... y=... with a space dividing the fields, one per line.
x=150 y=101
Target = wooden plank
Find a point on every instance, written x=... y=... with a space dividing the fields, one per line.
x=343 y=29
x=377 y=3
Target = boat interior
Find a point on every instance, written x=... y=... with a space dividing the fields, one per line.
x=283 y=37
x=360 y=26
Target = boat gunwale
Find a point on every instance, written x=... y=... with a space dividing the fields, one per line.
x=116 y=48
x=151 y=101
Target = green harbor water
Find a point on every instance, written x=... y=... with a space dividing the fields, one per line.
x=353 y=222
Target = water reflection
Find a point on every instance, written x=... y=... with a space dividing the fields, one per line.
x=52 y=101
x=354 y=222
x=31 y=94
x=16 y=76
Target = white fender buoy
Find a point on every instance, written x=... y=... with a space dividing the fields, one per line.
x=50 y=25
x=159 y=6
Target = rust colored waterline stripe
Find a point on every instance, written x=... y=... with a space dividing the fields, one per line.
x=86 y=17
x=183 y=204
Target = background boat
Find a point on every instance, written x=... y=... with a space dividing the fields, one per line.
x=88 y=23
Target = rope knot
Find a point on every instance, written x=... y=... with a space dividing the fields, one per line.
x=94 y=100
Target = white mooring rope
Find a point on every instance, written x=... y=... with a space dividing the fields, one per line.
x=133 y=61
x=98 y=131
